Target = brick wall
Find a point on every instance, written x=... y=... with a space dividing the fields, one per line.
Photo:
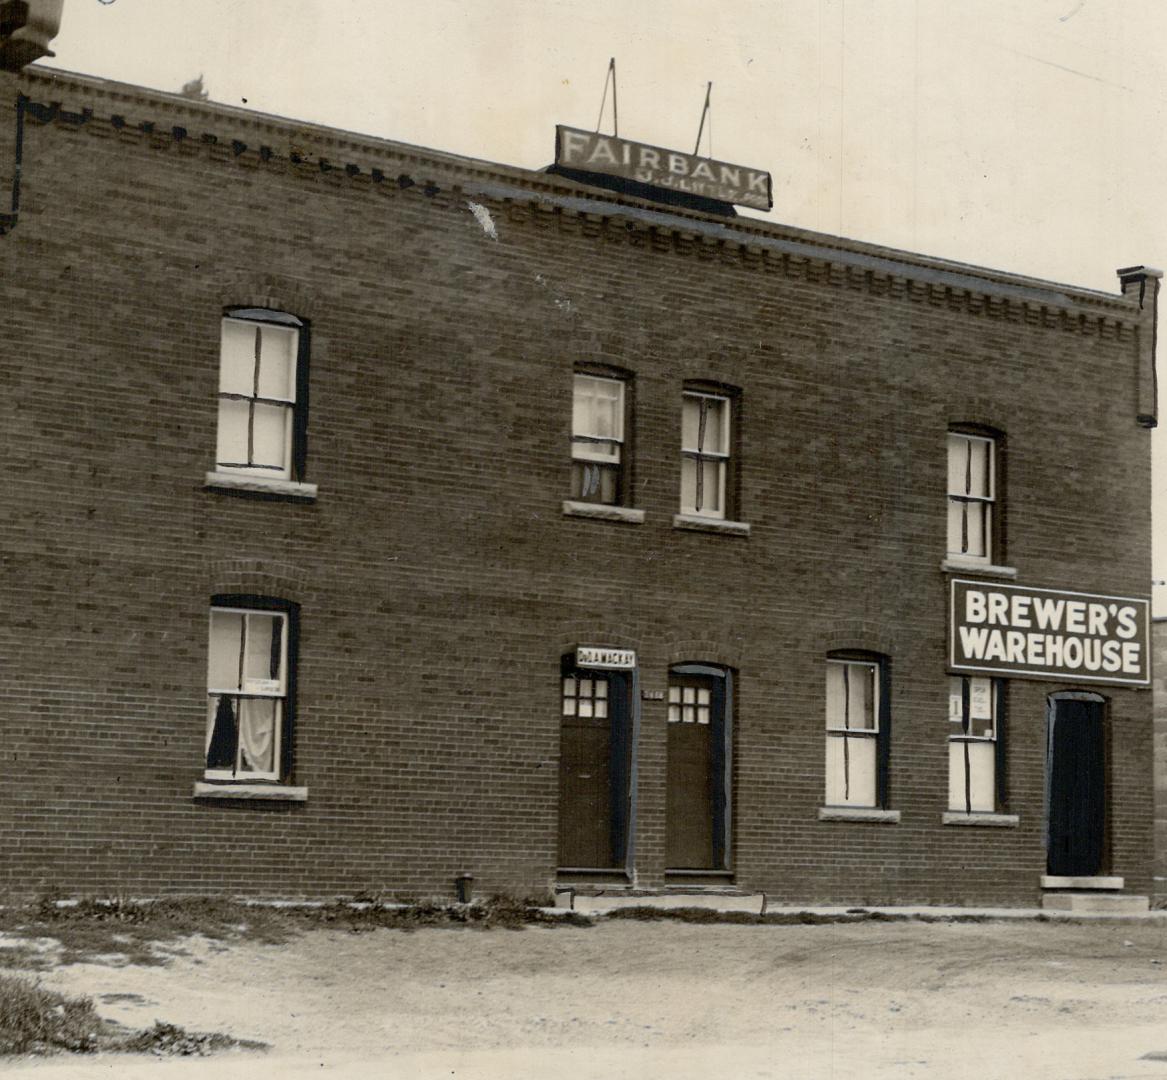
x=439 y=580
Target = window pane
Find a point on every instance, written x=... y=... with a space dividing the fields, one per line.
x=593 y=482
x=237 y=358
x=980 y=701
x=688 y=485
x=569 y=687
x=861 y=711
x=258 y=720
x=850 y=770
x=601 y=688
x=689 y=695
x=703 y=714
x=716 y=426
x=690 y=422
x=956 y=700
x=976 y=516
x=975 y=761
x=601 y=708
x=836 y=699
x=674 y=693
x=569 y=706
x=712 y=487
x=263 y=671
x=585 y=707
x=221 y=733
x=277 y=362
x=702 y=696
x=598 y=408
x=585 y=688
x=223 y=653
x=978 y=473
x=957 y=465
x=231 y=443
x=272 y=429
x=956 y=526
x=674 y=714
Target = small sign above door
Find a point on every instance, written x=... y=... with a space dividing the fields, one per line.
x=596 y=656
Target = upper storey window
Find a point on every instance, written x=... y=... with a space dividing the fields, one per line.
x=262 y=395
x=597 y=439
x=972 y=495
x=705 y=443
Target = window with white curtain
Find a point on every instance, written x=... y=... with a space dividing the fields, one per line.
x=975 y=712
x=705 y=442
x=597 y=439
x=247 y=693
x=260 y=394
x=971 y=495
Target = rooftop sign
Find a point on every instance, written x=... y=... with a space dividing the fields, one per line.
x=1044 y=634
x=589 y=151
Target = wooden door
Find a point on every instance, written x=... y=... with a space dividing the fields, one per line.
x=1076 y=779
x=593 y=772
x=697 y=803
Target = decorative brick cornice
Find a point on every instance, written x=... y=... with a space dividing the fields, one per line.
x=329 y=156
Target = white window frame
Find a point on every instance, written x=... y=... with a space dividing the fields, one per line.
x=960 y=709
x=701 y=454
x=845 y=732
x=964 y=441
x=239 y=692
x=258 y=320
x=581 y=441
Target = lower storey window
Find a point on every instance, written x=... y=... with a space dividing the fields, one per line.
x=853 y=727
x=975 y=709
x=247 y=693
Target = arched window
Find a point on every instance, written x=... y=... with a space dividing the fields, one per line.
x=975 y=493
x=263 y=394
x=251 y=662
x=858 y=729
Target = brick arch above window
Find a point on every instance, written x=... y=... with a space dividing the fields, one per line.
x=258 y=577
x=275 y=293
x=859 y=636
x=703 y=650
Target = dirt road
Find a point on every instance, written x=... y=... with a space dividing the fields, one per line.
x=1064 y=1001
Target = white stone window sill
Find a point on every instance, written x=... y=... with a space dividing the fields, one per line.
x=985 y=820
x=259 y=792
x=954 y=564
x=859 y=813
x=603 y=512
x=262 y=484
x=696 y=523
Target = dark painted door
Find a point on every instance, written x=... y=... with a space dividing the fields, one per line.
x=593 y=770
x=696 y=788
x=1077 y=787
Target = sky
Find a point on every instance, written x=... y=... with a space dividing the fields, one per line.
x=1026 y=136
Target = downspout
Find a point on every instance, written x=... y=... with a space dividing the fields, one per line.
x=9 y=218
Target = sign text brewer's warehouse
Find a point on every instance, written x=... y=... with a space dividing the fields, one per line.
x=653 y=165
x=1043 y=633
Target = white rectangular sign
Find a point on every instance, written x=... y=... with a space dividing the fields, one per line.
x=596 y=656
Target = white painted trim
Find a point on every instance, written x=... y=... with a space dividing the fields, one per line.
x=269 y=792
x=1051 y=882
x=708 y=524
x=986 y=820
x=954 y=564
x=859 y=813
x=603 y=512
x=241 y=482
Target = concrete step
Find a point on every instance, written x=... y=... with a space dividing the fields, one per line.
x=1096 y=903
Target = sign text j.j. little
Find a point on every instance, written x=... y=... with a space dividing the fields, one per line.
x=590 y=151
x=1010 y=630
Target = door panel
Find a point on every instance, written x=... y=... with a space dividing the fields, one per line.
x=1076 y=772
x=697 y=788
x=593 y=770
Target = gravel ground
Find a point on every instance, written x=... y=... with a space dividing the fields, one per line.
x=1057 y=1000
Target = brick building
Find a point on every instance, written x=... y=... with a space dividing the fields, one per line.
x=376 y=516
